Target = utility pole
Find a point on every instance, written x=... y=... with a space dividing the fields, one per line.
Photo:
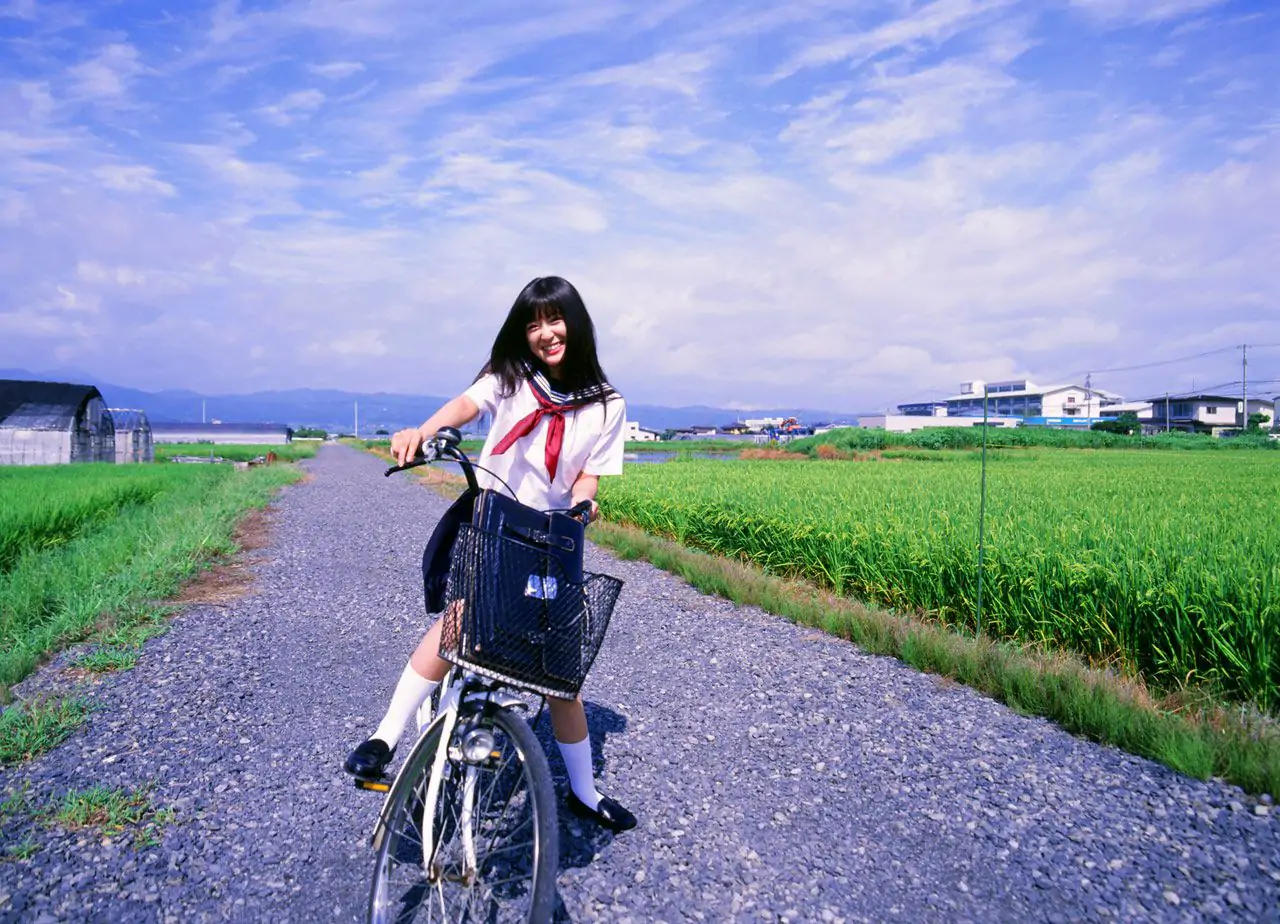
x=1166 y=412
x=1088 y=395
x=357 y=421
x=1244 y=387
x=202 y=410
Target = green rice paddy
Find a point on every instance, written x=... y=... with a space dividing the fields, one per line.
x=1165 y=563
x=290 y=452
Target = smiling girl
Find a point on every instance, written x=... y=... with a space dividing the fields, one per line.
x=558 y=426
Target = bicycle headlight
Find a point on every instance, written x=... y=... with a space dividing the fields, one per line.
x=477 y=745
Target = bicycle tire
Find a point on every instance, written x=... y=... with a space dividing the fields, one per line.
x=404 y=891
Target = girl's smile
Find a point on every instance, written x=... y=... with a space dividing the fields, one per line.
x=547 y=339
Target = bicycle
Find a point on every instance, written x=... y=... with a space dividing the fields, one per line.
x=468 y=830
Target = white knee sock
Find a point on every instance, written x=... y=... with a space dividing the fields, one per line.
x=577 y=760
x=410 y=692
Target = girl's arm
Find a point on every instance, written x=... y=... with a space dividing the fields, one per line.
x=585 y=488
x=405 y=444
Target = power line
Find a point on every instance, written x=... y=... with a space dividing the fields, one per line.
x=1166 y=362
x=1220 y=386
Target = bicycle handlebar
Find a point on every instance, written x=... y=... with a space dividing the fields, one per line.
x=444 y=445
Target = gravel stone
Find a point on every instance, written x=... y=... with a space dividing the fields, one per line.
x=778 y=773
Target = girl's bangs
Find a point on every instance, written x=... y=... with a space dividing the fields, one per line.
x=543 y=309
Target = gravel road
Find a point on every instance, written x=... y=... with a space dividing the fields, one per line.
x=778 y=774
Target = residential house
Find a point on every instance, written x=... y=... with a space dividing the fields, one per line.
x=1205 y=413
x=638 y=434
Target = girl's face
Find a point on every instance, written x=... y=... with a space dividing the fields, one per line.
x=547 y=337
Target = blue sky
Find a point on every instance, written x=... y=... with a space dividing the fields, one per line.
x=842 y=205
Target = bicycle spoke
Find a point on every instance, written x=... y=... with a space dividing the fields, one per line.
x=498 y=828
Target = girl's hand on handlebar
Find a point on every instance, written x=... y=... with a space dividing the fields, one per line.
x=585 y=510
x=406 y=444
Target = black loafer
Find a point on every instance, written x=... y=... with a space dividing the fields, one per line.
x=369 y=760
x=609 y=814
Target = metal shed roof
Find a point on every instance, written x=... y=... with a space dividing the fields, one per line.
x=42 y=405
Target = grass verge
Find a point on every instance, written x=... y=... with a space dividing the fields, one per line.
x=107 y=659
x=110 y=579
x=31 y=728
x=1200 y=740
x=111 y=810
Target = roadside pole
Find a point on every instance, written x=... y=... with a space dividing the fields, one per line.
x=982 y=507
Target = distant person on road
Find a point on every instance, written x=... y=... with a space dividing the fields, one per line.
x=558 y=426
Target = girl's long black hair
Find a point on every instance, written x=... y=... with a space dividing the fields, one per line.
x=510 y=359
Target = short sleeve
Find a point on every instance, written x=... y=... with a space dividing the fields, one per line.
x=485 y=392
x=606 y=455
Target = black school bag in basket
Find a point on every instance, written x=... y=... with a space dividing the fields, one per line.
x=521 y=608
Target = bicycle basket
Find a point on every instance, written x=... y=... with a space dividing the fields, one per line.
x=512 y=614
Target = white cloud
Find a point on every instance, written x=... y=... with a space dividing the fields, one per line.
x=300 y=104
x=91 y=271
x=673 y=72
x=133 y=178
x=19 y=9
x=245 y=176
x=39 y=99
x=108 y=75
x=929 y=24
x=915 y=108
x=364 y=343
x=1168 y=56
x=1144 y=10
x=337 y=70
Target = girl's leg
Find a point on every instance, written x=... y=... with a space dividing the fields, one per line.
x=420 y=677
x=569 y=719
x=426 y=660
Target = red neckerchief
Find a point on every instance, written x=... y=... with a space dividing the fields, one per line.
x=526 y=425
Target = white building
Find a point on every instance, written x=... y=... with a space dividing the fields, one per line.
x=1143 y=410
x=226 y=434
x=1024 y=398
x=907 y=423
x=638 y=434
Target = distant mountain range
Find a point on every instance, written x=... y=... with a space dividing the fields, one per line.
x=334 y=410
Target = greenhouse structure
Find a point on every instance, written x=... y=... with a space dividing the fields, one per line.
x=52 y=423
x=133 y=435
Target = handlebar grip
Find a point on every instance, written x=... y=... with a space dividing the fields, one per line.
x=581 y=509
x=420 y=458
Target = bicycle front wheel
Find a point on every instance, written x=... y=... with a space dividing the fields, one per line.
x=495 y=846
